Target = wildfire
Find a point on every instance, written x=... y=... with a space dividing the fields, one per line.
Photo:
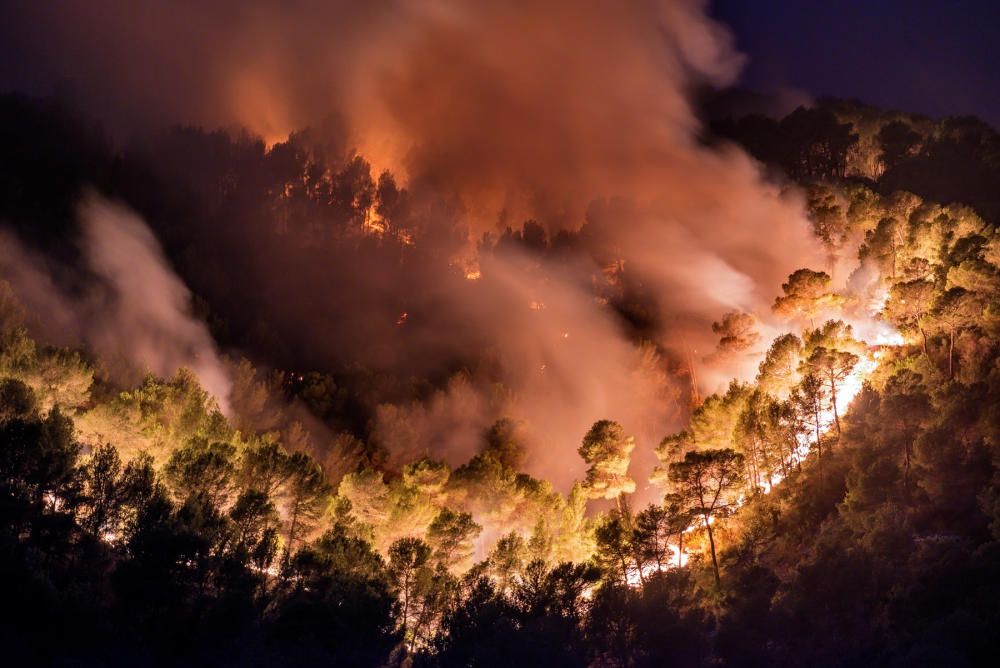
x=373 y=225
x=884 y=336
x=878 y=300
x=889 y=338
x=852 y=386
x=468 y=265
x=678 y=559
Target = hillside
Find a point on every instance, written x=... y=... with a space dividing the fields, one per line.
x=838 y=505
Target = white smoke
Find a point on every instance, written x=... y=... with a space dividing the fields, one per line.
x=135 y=314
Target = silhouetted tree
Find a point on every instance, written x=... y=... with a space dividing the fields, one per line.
x=708 y=482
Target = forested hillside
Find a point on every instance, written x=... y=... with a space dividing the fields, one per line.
x=838 y=506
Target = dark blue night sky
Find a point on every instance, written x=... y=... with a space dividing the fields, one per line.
x=935 y=57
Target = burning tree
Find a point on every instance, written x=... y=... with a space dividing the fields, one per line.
x=762 y=432
x=656 y=526
x=708 y=482
x=617 y=552
x=833 y=367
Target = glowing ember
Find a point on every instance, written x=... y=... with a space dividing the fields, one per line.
x=402 y=318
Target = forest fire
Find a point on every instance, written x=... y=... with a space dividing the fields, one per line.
x=374 y=225
x=362 y=334
x=826 y=426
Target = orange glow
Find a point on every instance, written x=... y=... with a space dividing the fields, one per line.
x=256 y=107
x=405 y=238
x=374 y=224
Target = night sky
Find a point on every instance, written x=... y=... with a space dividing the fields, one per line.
x=938 y=58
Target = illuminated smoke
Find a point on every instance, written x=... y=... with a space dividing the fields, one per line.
x=136 y=314
x=564 y=111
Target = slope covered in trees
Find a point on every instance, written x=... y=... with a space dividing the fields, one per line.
x=942 y=160
x=840 y=508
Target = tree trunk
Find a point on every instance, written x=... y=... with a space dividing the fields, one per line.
x=768 y=467
x=715 y=561
x=291 y=533
x=406 y=611
x=819 y=442
x=695 y=395
x=817 y=423
x=833 y=402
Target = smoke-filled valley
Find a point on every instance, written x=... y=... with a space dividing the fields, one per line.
x=424 y=333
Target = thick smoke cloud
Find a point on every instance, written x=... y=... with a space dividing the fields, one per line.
x=133 y=310
x=533 y=106
x=521 y=109
x=562 y=111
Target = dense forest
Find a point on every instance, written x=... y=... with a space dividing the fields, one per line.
x=840 y=507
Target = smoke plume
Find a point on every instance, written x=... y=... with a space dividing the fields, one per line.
x=132 y=310
x=575 y=114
